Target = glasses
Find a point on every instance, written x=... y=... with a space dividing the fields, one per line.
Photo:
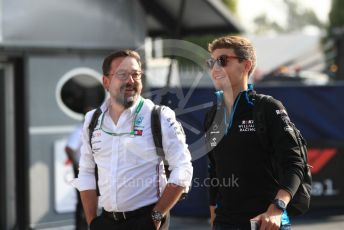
x=221 y=61
x=124 y=76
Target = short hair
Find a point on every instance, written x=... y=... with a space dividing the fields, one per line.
x=121 y=53
x=241 y=46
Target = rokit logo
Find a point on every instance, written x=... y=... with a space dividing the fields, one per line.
x=247 y=126
x=215 y=129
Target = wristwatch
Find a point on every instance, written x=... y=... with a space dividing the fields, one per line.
x=280 y=204
x=157 y=216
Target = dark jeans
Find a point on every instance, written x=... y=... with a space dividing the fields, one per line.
x=143 y=222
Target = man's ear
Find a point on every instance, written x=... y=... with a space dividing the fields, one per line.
x=106 y=82
x=248 y=65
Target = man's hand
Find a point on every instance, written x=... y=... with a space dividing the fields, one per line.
x=157 y=224
x=169 y=198
x=212 y=215
x=271 y=219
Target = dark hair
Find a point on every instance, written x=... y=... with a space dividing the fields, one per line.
x=121 y=53
x=242 y=47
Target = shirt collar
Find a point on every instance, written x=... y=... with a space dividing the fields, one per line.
x=105 y=105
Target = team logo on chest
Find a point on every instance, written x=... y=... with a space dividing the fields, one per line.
x=138 y=121
x=138 y=128
x=247 y=126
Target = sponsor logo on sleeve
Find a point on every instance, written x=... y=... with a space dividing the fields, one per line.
x=281 y=112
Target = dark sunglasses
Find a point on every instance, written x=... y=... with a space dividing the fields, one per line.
x=221 y=61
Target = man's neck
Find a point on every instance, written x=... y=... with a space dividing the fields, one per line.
x=230 y=96
x=115 y=111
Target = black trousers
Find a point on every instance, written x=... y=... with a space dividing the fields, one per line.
x=143 y=222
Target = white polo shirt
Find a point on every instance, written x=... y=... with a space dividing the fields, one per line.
x=130 y=172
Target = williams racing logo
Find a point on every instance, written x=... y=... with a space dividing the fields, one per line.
x=247 y=126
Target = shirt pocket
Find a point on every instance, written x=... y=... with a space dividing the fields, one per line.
x=140 y=149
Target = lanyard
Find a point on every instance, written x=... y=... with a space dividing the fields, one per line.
x=228 y=125
x=132 y=132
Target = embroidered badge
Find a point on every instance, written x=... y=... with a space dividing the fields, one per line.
x=213 y=142
x=138 y=132
x=139 y=120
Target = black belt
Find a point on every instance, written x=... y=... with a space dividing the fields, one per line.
x=122 y=216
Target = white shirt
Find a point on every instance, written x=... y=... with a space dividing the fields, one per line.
x=74 y=141
x=130 y=172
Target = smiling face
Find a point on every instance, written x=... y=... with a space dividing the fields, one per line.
x=233 y=74
x=124 y=81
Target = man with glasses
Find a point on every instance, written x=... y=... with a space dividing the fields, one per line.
x=134 y=192
x=253 y=195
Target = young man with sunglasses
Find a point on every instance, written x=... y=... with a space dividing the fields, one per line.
x=236 y=152
x=134 y=192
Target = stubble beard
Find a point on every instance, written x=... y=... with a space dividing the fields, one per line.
x=126 y=101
